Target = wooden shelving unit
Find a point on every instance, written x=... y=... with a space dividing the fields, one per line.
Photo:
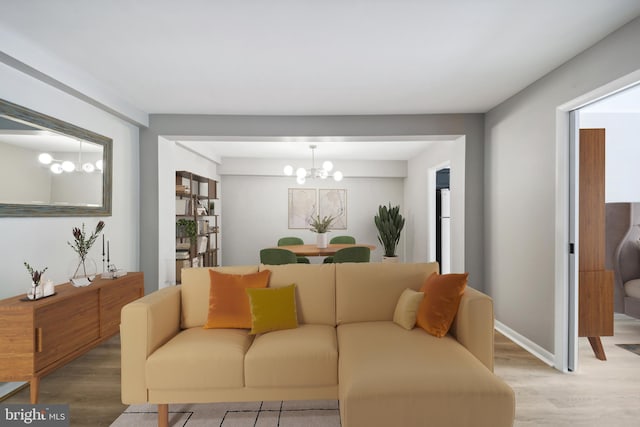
x=195 y=197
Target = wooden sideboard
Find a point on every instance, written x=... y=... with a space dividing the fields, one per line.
x=37 y=337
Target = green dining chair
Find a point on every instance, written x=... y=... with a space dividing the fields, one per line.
x=343 y=239
x=289 y=241
x=353 y=254
x=277 y=256
x=339 y=239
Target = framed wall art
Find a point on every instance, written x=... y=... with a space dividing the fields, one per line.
x=333 y=202
x=302 y=206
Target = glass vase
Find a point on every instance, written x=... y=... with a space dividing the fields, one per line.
x=82 y=271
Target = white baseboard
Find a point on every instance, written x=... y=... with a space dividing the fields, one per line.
x=524 y=342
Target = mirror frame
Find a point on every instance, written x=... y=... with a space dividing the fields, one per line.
x=31 y=117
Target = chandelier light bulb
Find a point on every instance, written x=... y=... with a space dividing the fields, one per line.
x=56 y=168
x=68 y=166
x=314 y=172
x=88 y=167
x=45 y=158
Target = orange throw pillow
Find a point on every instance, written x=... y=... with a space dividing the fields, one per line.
x=228 y=301
x=442 y=294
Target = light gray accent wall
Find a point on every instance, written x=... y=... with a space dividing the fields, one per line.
x=521 y=184
x=470 y=125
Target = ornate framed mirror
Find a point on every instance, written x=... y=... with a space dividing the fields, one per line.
x=51 y=168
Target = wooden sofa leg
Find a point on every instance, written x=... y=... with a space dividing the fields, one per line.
x=163 y=415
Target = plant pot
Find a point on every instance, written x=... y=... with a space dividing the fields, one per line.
x=322 y=240
x=393 y=259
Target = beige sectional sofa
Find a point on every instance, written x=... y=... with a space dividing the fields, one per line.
x=346 y=347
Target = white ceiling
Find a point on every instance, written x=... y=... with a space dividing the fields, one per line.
x=304 y=57
x=314 y=57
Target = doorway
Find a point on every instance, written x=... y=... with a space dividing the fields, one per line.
x=443 y=220
x=600 y=113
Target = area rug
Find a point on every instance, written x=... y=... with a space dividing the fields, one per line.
x=304 y=413
x=634 y=348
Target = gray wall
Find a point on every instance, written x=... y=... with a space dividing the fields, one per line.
x=521 y=185
x=471 y=125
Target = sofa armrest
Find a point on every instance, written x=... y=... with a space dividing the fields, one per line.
x=146 y=324
x=473 y=325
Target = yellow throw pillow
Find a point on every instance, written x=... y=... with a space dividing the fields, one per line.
x=442 y=294
x=273 y=309
x=407 y=308
x=228 y=301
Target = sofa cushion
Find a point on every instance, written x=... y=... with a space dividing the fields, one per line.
x=442 y=294
x=302 y=357
x=315 y=290
x=199 y=358
x=195 y=292
x=369 y=291
x=389 y=376
x=272 y=309
x=632 y=288
x=407 y=308
x=228 y=299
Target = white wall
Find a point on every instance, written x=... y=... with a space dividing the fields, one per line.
x=420 y=202
x=622 y=168
x=254 y=213
x=43 y=241
x=526 y=174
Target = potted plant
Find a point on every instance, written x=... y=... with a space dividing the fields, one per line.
x=187 y=228
x=84 y=268
x=320 y=226
x=36 y=276
x=389 y=223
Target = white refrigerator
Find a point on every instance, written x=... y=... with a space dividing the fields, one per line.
x=445 y=231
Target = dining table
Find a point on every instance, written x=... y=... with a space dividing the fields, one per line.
x=314 y=250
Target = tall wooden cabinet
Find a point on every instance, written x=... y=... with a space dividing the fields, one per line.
x=196 y=197
x=37 y=337
x=595 y=294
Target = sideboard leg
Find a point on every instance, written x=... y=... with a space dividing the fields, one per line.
x=163 y=415
x=34 y=388
x=597 y=347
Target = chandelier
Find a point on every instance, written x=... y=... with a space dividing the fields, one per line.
x=324 y=172
x=58 y=166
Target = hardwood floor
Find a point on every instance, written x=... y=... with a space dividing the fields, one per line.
x=599 y=394
x=90 y=385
